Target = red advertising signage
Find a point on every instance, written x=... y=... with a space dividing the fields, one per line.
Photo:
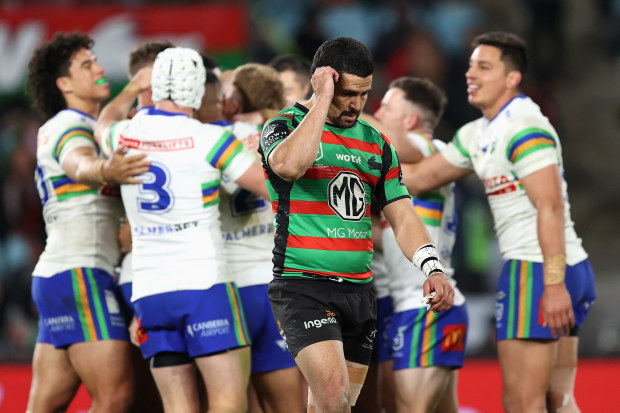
x=214 y=28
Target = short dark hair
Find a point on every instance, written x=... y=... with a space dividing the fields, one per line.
x=298 y=64
x=50 y=61
x=211 y=78
x=514 y=49
x=425 y=94
x=209 y=62
x=144 y=54
x=345 y=55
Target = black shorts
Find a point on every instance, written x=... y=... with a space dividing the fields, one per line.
x=309 y=311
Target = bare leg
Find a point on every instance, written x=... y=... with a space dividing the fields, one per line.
x=105 y=367
x=279 y=391
x=177 y=387
x=449 y=400
x=526 y=373
x=324 y=367
x=419 y=390
x=387 y=387
x=54 y=381
x=368 y=402
x=560 y=397
x=226 y=376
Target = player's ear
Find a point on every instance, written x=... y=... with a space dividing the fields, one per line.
x=63 y=84
x=513 y=79
x=411 y=121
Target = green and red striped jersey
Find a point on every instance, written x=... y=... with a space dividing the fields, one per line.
x=322 y=220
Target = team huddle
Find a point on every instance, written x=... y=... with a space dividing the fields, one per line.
x=253 y=241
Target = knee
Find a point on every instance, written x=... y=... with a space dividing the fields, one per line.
x=522 y=403
x=336 y=399
x=118 y=399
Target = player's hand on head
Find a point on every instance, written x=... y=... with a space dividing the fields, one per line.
x=557 y=310
x=439 y=283
x=324 y=80
x=123 y=169
x=143 y=78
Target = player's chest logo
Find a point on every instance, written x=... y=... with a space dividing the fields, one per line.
x=347 y=196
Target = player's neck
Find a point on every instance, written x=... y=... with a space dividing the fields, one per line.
x=493 y=110
x=170 y=106
x=425 y=133
x=91 y=108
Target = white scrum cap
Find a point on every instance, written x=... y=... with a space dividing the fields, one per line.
x=179 y=75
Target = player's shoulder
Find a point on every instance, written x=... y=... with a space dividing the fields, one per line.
x=294 y=113
x=524 y=116
x=370 y=133
x=243 y=129
x=68 y=119
x=469 y=131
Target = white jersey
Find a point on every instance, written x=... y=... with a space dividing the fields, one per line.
x=81 y=222
x=380 y=279
x=173 y=213
x=125 y=271
x=516 y=143
x=438 y=212
x=247 y=224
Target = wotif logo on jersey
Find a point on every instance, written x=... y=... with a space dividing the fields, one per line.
x=347 y=196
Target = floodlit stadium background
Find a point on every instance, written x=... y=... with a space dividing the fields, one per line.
x=574 y=76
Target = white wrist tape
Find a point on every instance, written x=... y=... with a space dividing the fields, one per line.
x=426 y=259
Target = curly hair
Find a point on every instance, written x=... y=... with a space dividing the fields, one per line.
x=50 y=61
x=260 y=86
x=345 y=55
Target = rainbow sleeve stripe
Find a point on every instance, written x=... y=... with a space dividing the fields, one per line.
x=528 y=141
x=65 y=188
x=224 y=151
x=70 y=134
x=108 y=138
x=210 y=193
x=430 y=209
x=456 y=141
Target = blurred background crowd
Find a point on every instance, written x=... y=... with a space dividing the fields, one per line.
x=574 y=76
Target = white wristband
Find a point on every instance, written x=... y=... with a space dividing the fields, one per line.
x=426 y=259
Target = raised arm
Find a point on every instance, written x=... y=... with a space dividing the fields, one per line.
x=431 y=173
x=297 y=152
x=119 y=107
x=411 y=234
x=544 y=189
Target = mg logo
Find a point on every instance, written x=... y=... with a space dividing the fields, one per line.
x=347 y=196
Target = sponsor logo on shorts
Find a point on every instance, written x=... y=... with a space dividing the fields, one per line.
x=60 y=323
x=453 y=338
x=398 y=341
x=499 y=313
x=370 y=340
x=217 y=327
x=319 y=322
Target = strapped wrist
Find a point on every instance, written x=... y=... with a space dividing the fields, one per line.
x=99 y=172
x=426 y=259
x=554 y=269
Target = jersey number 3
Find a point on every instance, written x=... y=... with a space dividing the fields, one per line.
x=155 y=194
